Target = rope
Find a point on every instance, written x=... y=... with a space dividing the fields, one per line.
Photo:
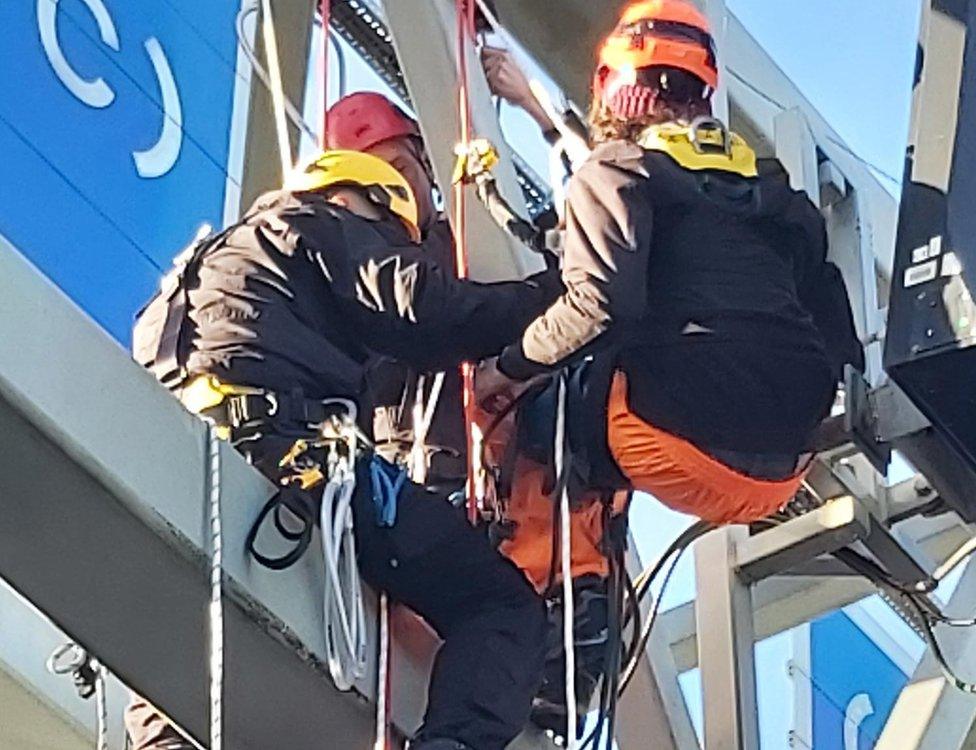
x=277 y=90
x=383 y=678
x=215 y=611
x=566 y=569
x=343 y=612
x=88 y=676
x=465 y=30
x=242 y=39
x=101 y=707
x=423 y=416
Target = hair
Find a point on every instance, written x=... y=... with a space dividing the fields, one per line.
x=678 y=97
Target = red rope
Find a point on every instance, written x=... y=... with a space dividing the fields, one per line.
x=325 y=10
x=465 y=30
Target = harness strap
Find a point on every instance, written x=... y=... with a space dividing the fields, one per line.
x=240 y=410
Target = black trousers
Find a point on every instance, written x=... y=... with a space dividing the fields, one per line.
x=491 y=620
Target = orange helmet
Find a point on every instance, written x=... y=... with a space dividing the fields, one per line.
x=657 y=33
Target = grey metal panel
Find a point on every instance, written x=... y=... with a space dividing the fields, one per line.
x=102 y=504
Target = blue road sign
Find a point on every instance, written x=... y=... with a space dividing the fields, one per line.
x=115 y=118
x=855 y=685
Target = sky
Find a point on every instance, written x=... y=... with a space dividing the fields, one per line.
x=853 y=59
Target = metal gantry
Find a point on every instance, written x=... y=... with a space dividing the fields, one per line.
x=93 y=486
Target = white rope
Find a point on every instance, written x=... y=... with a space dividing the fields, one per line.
x=423 y=416
x=101 y=707
x=277 y=90
x=565 y=537
x=344 y=613
x=216 y=609
x=383 y=675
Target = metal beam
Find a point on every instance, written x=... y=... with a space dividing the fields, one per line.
x=102 y=527
x=724 y=619
x=653 y=706
x=779 y=603
x=781 y=548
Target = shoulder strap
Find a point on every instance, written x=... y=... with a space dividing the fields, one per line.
x=160 y=324
x=704 y=144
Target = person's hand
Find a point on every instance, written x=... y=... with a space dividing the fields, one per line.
x=495 y=391
x=505 y=78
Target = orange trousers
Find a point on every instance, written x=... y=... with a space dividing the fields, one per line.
x=671 y=469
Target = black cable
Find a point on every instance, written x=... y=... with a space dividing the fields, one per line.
x=675 y=549
x=631 y=667
x=614 y=674
x=686 y=537
x=925 y=613
x=634 y=616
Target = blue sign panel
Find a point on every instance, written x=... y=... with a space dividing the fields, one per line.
x=114 y=130
x=855 y=685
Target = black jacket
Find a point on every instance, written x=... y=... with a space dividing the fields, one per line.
x=393 y=386
x=712 y=289
x=303 y=294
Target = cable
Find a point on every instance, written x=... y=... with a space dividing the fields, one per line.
x=277 y=90
x=343 y=609
x=325 y=15
x=631 y=667
x=925 y=612
x=215 y=610
x=88 y=676
x=291 y=110
x=675 y=549
x=954 y=560
x=101 y=707
x=566 y=567
x=383 y=681
x=340 y=55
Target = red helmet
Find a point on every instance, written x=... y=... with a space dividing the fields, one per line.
x=656 y=34
x=359 y=121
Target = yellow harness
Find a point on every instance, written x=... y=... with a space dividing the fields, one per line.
x=705 y=144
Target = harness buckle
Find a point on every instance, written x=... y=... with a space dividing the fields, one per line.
x=237 y=411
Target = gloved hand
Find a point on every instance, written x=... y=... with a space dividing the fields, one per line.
x=495 y=391
x=506 y=79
